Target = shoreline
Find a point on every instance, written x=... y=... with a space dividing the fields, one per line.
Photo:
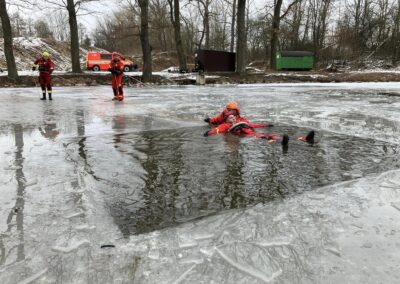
x=88 y=79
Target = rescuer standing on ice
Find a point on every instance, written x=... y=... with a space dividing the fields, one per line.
x=116 y=68
x=46 y=67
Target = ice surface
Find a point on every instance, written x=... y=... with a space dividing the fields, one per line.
x=101 y=172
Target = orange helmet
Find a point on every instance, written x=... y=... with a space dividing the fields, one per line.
x=232 y=105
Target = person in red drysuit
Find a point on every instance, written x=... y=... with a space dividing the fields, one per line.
x=239 y=125
x=116 y=68
x=46 y=67
x=231 y=108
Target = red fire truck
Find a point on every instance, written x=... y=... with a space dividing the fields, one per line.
x=100 y=61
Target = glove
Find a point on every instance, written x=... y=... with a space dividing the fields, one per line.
x=270 y=125
x=205 y=134
x=33 y=68
x=207 y=119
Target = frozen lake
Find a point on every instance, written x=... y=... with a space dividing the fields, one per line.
x=81 y=171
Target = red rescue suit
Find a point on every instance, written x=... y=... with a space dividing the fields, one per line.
x=46 y=67
x=238 y=125
x=116 y=68
x=221 y=118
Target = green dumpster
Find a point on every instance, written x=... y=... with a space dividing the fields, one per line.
x=297 y=60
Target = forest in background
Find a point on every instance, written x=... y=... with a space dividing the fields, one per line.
x=336 y=31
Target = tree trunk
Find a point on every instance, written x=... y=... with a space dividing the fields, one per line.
x=241 y=38
x=175 y=19
x=144 y=38
x=233 y=26
x=207 y=23
x=274 y=33
x=73 y=26
x=8 y=41
x=395 y=35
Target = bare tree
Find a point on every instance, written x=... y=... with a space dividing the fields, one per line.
x=57 y=22
x=319 y=16
x=233 y=25
x=73 y=27
x=161 y=24
x=395 y=38
x=204 y=10
x=175 y=19
x=42 y=29
x=241 y=45
x=8 y=41
x=72 y=6
x=275 y=28
x=145 y=39
x=18 y=25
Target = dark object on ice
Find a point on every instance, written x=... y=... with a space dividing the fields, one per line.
x=207 y=119
x=310 y=136
x=214 y=61
x=285 y=140
x=107 y=246
x=1 y=70
x=390 y=94
x=205 y=134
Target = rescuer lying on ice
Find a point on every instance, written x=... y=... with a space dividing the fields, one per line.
x=116 y=68
x=231 y=108
x=46 y=67
x=239 y=125
x=230 y=121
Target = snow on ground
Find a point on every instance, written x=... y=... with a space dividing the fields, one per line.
x=27 y=49
x=54 y=220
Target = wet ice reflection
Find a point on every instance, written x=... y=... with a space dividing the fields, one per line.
x=12 y=240
x=183 y=177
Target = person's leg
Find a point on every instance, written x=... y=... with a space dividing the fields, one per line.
x=114 y=87
x=285 y=140
x=43 y=87
x=42 y=83
x=120 y=88
x=49 y=91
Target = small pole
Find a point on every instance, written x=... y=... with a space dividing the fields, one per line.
x=200 y=78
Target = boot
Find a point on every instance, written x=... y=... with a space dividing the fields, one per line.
x=50 y=98
x=285 y=140
x=310 y=136
x=43 y=97
x=120 y=92
x=115 y=94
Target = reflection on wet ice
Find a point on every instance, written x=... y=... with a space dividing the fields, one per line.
x=12 y=240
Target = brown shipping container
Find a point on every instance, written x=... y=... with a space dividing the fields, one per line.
x=216 y=61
